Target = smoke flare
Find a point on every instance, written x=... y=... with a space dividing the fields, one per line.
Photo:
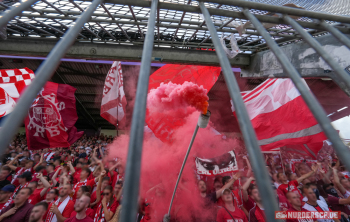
x=172 y=96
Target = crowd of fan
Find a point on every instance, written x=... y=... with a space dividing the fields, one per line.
x=75 y=184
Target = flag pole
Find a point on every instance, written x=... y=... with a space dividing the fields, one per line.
x=203 y=121
x=282 y=162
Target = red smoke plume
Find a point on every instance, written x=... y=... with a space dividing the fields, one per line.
x=170 y=96
x=161 y=162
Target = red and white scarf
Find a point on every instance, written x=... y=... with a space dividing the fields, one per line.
x=49 y=156
x=14 y=195
x=100 y=214
x=52 y=217
x=78 y=185
x=22 y=170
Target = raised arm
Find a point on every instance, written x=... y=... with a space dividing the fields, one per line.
x=45 y=183
x=337 y=181
x=98 y=189
x=10 y=164
x=71 y=168
x=228 y=184
x=245 y=188
x=309 y=174
x=40 y=161
x=54 y=182
x=249 y=166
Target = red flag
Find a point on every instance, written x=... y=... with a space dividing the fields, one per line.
x=12 y=83
x=161 y=124
x=113 y=100
x=280 y=116
x=303 y=150
x=51 y=118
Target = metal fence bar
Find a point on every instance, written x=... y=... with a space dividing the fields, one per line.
x=319 y=49
x=133 y=164
x=283 y=10
x=14 y=11
x=42 y=75
x=262 y=177
x=336 y=33
x=316 y=109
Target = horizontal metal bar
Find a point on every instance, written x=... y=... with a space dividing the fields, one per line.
x=316 y=109
x=145 y=24
x=281 y=9
x=319 y=49
x=133 y=163
x=42 y=47
x=13 y=11
x=258 y=164
x=336 y=33
x=47 y=68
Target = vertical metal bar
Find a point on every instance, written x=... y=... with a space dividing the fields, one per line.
x=319 y=49
x=14 y=11
x=42 y=75
x=133 y=164
x=316 y=109
x=262 y=177
x=336 y=33
x=183 y=166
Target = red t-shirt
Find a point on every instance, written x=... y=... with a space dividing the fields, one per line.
x=93 y=199
x=237 y=201
x=35 y=197
x=282 y=199
x=2 y=205
x=299 y=220
x=74 y=219
x=67 y=210
x=76 y=175
x=224 y=216
x=89 y=212
x=291 y=186
x=76 y=187
x=249 y=204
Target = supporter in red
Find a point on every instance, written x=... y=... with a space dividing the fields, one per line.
x=81 y=210
x=5 y=172
x=38 y=212
x=343 y=184
x=85 y=173
x=236 y=194
x=94 y=203
x=106 y=208
x=39 y=189
x=62 y=208
x=5 y=194
x=313 y=204
x=57 y=163
x=20 y=170
x=335 y=202
x=50 y=169
x=19 y=210
x=292 y=186
x=257 y=213
x=51 y=196
x=295 y=205
x=229 y=212
x=23 y=180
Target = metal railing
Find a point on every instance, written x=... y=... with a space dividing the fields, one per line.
x=133 y=167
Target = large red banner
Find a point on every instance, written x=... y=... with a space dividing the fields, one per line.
x=51 y=118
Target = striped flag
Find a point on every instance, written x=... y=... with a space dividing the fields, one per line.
x=280 y=116
x=12 y=84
